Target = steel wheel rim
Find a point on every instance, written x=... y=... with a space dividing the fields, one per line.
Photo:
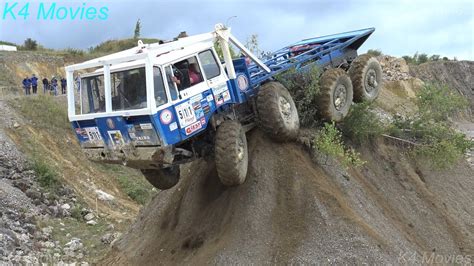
x=340 y=97
x=370 y=81
x=285 y=109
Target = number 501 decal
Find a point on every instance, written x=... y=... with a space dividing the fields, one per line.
x=185 y=114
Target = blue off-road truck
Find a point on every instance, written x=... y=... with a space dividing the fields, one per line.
x=156 y=106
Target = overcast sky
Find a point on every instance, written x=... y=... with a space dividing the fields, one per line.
x=402 y=27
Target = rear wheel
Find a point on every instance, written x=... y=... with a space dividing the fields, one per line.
x=277 y=112
x=231 y=153
x=366 y=76
x=164 y=178
x=335 y=98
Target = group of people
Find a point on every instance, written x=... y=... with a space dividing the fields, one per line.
x=48 y=85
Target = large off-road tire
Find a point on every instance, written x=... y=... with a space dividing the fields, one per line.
x=277 y=112
x=231 y=153
x=164 y=178
x=335 y=98
x=366 y=76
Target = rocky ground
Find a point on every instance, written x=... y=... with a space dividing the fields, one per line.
x=27 y=210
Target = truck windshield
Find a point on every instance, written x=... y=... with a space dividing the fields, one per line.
x=128 y=91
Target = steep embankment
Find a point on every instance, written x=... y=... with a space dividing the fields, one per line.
x=300 y=208
x=292 y=210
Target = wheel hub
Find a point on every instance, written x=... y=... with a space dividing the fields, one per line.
x=285 y=109
x=340 y=97
x=370 y=81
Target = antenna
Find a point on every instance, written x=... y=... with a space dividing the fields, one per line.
x=227 y=21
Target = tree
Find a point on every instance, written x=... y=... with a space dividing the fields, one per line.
x=138 y=28
x=30 y=44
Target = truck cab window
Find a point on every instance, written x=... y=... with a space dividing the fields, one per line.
x=209 y=64
x=187 y=73
x=160 y=93
x=171 y=84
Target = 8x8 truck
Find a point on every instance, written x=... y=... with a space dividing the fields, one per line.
x=156 y=106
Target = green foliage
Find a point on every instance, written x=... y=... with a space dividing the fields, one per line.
x=438 y=102
x=374 y=52
x=417 y=59
x=362 y=124
x=437 y=140
x=7 y=43
x=329 y=141
x=138 y=28
x=135 y=190
x=113 y=46
x=218 y=48
x=304 y=88
x=46 y=175
x=30 y=44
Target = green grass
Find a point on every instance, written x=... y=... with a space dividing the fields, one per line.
x=46 y=176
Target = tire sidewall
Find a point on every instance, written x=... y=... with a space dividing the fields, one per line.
x=338 y=115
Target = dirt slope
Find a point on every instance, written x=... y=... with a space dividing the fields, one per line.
x=291 y=210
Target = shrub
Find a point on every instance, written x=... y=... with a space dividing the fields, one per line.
x=374 y=52
x=134 y=189
x=304 y=88
x=437 y=141
x=362 y=123
x=329 y=141
x=46 y=176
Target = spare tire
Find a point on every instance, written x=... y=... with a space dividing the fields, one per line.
x=335 y=97
x=366 y=76
x=277 y=112
x=164 y=178
x=231 y=153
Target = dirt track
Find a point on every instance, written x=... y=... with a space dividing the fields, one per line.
x=291 y=210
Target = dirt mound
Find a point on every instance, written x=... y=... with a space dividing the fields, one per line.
x=291 y=210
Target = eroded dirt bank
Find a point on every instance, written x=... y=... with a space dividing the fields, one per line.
x=291 y=210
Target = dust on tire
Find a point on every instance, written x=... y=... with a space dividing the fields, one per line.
x=366 y=76
x=277 y=112
x=335 y=98
x=231 y=153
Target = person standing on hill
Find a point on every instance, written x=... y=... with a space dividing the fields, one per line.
x=27 y=85
x=34 y=83
x=45 y=85
x=63 y=85
x=54 y=83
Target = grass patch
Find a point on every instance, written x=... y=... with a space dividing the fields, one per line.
x=131 y=182
x=329 y=141
x=44 y=111
x=362 y=124
x=46 y=176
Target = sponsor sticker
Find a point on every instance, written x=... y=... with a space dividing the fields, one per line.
x=192 y=128
x=166 y=117
x=209 y=98
x=116 y=137
x=93 y=133
x=146 y=126
x=173 y=126
x=242 y=82
x=203 y=121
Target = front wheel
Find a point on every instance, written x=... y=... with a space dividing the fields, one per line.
x=277 y=112
x=231 y=153
x=164 y=178
x=335 y=98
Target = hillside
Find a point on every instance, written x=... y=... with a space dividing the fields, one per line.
x=297 y=205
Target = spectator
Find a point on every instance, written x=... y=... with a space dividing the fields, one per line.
x=54 y=84
x=34 y=83
x=45 y=85
x=63 y=85
x=27 y=85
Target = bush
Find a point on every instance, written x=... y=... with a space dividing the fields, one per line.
x=329 y=141
x=362 y=123
x=30 y=44
x=134 y=189
x=304 y=88
x=430 y=128
x=46 y=176
x=373 y=52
